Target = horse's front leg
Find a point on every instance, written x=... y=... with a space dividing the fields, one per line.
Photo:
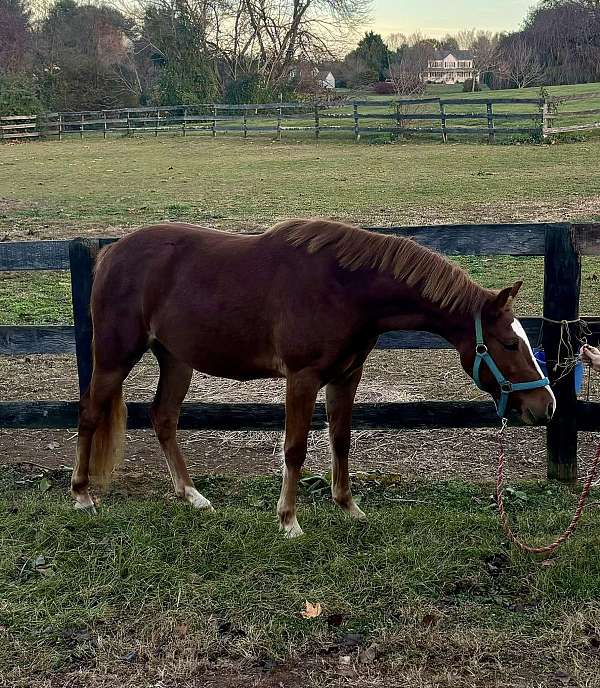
x=340 y=399
x=301 y=394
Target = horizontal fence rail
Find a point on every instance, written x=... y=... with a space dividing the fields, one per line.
x=44 y=415
x=23 y=340
x=512 y=239
x=561 y=244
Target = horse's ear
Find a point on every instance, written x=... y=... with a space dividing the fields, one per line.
x=505 y=298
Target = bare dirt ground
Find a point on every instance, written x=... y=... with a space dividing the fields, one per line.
x=389 y=376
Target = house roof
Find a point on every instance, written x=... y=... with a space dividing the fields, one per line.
x=459 y=54
x=324 y=73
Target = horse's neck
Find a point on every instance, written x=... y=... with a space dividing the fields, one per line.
x=395 y=306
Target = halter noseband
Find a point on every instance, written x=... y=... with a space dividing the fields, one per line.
x=483 y=356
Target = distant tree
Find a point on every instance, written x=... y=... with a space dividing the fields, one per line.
x=408 y=67
x=79 y=49
x=15 y=37
x=484 y=47
x=565 y=35
x=373 y=53
x=245 y=48
x=449 y=43
x=395 y=41
x=518 y=62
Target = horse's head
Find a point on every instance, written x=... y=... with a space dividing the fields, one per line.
x=501 y=361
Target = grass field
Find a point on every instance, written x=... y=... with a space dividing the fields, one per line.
x=52 y=190
x=425 y=594
x=428 y=594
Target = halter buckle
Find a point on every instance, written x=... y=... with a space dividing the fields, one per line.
x=481 y=349
x=506 y=387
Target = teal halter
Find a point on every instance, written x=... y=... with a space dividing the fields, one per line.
x=483 y=356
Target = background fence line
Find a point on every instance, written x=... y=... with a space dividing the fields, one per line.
x=487 y=117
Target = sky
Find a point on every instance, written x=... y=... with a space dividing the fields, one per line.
x=437 y=17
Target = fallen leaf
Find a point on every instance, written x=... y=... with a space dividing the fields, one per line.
x=53 y=445
x=549 y=562
x=44 y=485
x=312 y=610
x=181 y=630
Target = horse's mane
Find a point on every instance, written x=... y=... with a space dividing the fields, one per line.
x=437 y=278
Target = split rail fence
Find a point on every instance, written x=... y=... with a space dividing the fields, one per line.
x=562 y=246
x=489 y=118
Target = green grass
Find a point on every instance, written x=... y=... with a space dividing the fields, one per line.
x=78 y=591
x=97 y=188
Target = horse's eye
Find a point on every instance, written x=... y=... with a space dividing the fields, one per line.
x=511 y=346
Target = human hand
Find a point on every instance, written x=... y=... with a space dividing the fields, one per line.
x=591 y=355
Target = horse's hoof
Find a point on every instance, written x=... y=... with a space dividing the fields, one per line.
x=197 y=500
x=291 y=530
x=87 y=506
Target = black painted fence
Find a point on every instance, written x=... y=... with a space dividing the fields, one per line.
x=561 y=245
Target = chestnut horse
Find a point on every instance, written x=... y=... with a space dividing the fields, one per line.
x=305 y=301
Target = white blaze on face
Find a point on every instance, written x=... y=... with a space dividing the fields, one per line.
x=520 y=332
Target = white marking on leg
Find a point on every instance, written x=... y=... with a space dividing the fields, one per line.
x=197 y=500
x=520 y=332
x=286 y=510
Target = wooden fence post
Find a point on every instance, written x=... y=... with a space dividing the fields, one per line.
x=184 y=121
x=104 y=116
x=245 y=126
x=279 y=113
x=317 y=125
x=545 y=119
x=81 y=129
x=214 y=122
x=356 y=124
x=490 y=121
x=562 y=286
x=443 y=122
x=82 y=257
x=156 y=123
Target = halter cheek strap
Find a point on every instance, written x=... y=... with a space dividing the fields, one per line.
x=506 y=387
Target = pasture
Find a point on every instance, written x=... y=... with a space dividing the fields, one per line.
x=427 y=593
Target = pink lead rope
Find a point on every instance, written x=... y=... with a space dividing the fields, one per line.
x=546 y=549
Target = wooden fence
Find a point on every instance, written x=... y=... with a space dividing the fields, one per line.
x=571 y=120
x=19 y=127
x=561 y=245
x=447 y=117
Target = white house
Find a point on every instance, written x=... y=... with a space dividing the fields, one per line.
x=310 y=77
x=450 y=67
x=325 y=79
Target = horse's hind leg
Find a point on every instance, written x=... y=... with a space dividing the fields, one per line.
x=100 y=432
x=173 y=384
x=339 y=400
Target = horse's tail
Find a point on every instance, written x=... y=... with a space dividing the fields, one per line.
x=108 y=441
